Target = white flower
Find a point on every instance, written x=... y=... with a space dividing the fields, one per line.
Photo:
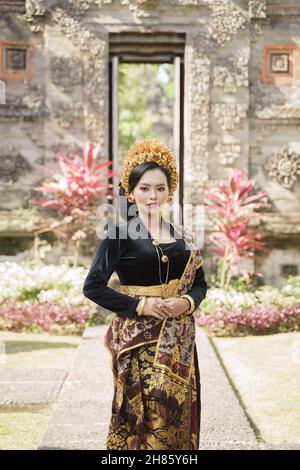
x=45 y=283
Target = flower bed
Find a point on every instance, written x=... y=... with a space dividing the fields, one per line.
x=264 y=311
x=43 y=298
x=36 y=298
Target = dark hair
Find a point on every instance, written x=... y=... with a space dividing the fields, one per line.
x=134 y=178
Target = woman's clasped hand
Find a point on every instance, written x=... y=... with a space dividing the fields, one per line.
x=160 y=308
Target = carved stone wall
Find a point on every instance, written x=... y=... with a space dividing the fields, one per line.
x=275 y=105
x=241 y=96
x=90 y=55
x=229 y=125
x=197 y=67
x=23 y=113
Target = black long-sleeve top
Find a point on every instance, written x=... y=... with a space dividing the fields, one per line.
x=127 y=249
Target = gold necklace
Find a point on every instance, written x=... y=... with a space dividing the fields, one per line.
x=164 y=259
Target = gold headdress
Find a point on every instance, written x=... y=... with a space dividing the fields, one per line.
x=146 y=151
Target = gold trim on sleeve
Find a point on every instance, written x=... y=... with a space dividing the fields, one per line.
x=192 y=302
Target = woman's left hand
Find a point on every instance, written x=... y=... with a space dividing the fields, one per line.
x=174 y=306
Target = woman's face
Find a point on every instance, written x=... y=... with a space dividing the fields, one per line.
x=151 y=192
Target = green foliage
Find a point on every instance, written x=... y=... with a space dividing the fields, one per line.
x=141 y=86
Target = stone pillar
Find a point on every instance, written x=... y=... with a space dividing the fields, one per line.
x=196 y=112
x=229 y=125
x=81 y=69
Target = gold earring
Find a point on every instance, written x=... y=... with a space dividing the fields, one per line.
x=170 y=199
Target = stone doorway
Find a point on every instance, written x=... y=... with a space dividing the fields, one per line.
x=155 y=49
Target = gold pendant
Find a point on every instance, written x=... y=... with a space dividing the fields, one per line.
x=164 y=258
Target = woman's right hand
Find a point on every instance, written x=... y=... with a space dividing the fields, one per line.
x=151 y=308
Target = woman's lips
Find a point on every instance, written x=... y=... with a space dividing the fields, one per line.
x=152 y=205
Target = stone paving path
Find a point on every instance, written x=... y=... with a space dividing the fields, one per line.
x=81 y=415
x=30 y=386
x=82 y=399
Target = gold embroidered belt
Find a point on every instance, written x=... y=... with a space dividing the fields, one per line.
x=160 y=290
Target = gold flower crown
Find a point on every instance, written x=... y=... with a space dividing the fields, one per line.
x=146 y=151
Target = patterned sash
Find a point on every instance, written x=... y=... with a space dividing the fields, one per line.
x=175 y=338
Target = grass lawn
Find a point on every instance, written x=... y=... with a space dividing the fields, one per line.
x=266 y=372
x=37 y=350
x=21 y=426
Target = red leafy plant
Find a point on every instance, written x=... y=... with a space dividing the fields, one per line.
x=232 y=211
x=260 y=319
x=74 y=193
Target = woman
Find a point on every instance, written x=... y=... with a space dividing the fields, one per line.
x=151 y=339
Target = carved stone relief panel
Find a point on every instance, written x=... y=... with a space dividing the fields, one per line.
x=66 y=72
x=279 y=63
x=226 y=21
x=12 y=165
x=274 y=86
x=66 y=113
x=228 y=149
x=275 y=163
x=36 y=7
x=231 y=74
x=196 y=156
x=30 y=106
x=229 y=115
x=258 y=9
x=284 y=167
x=229 y=112
x=16 y=59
